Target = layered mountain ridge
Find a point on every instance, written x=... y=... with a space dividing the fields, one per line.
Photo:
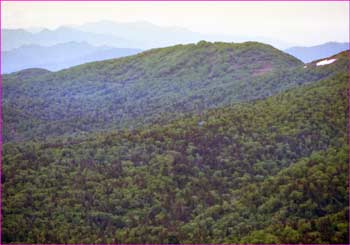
x=200 y=143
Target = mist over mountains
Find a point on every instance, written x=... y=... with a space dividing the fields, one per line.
x=308 y=54
x=68 y=46
x=142 y=34
x=16 y=38
x=59 y=56
x=153 y=36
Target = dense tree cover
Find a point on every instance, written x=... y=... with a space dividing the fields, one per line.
x=160 y=84
x=266 y=171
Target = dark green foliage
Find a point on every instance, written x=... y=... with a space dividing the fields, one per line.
x=156 y=85
x=267 y=171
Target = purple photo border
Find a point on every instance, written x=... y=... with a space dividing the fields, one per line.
x=175 y=1
x=1 y=121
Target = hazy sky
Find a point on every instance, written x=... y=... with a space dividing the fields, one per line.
x=304 y=23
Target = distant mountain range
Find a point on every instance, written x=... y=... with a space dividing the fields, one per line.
x=15 y=38
x=148 y=35
x=59 y=56
x=67 y=46
x=143 y=35
x=308 y=54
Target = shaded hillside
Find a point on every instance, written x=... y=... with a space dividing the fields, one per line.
x=159 y=84
x=268 y=171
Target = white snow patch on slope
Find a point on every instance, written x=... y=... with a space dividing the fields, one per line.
x=325 y=62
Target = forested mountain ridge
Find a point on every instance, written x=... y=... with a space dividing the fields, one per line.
x=138 y=90
x=266 y=171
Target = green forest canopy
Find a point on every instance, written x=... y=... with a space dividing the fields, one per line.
x=267 y=171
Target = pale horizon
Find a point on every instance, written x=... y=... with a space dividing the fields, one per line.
x=297 y=23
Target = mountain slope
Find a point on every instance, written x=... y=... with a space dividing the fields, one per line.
x=59 y=56
x=138 y=89
x=308 y=54
x=268 y=171
x=159 y=84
